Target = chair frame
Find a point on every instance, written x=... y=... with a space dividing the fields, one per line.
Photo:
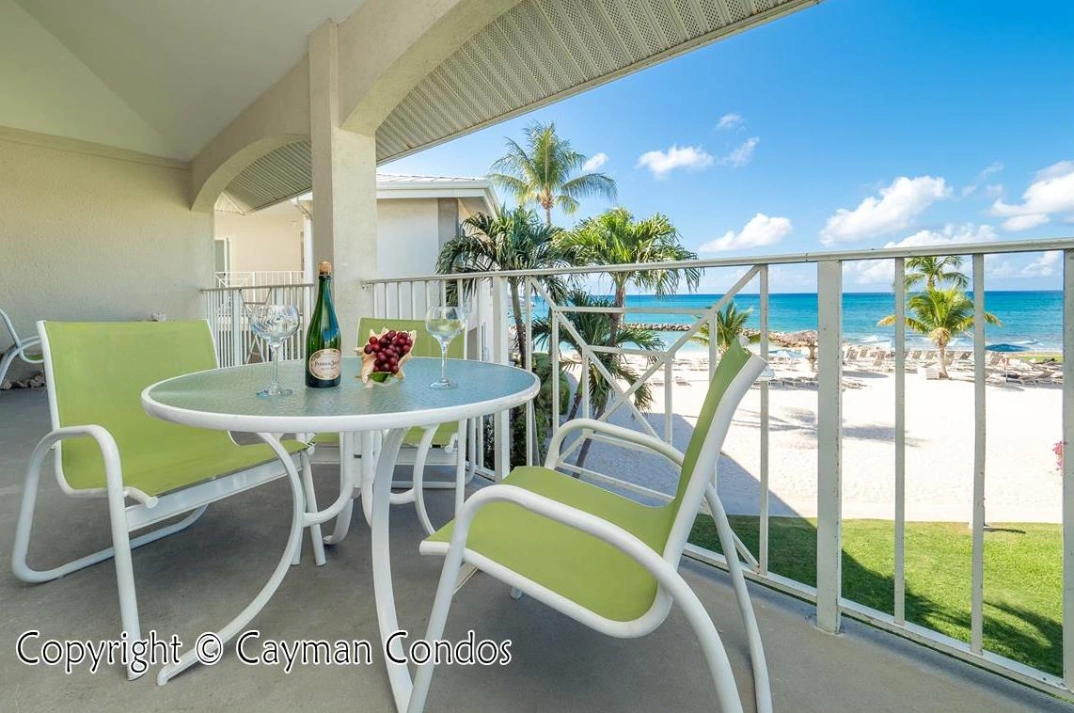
x=143 y=512
x=18 y=349
x=672 y=589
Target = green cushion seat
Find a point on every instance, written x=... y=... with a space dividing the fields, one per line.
x=99 y=370
x=578 y=566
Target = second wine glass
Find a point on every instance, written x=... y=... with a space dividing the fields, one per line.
x=444 y=324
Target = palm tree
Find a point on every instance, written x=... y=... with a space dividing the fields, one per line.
x=615 y=238
x=514 y=240
x=730 y=325
x=934 y=271
x=548 y=172
x=941 y=315
x=595 y=330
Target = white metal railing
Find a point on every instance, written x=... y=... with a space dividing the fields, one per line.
x=408 y=297
x=228 y=310
x=259 y=278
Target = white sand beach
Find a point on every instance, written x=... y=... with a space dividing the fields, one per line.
x=1023 y=423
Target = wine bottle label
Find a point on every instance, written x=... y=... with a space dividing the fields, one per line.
x=324 y=364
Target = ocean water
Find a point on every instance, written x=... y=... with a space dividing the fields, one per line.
x=1030 y=319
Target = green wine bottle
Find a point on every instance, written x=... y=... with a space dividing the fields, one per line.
x=323 y=355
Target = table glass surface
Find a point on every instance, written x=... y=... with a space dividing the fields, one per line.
x=232 y=391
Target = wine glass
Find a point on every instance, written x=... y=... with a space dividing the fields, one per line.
x=444 y=323
x=274 y=323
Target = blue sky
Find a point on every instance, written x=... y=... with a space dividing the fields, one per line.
x=853 y=124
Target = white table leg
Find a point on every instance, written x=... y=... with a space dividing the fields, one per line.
x=387 y=617
x=346 y=465
x=300 y=519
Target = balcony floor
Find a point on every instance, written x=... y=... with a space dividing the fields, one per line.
x=196 y=580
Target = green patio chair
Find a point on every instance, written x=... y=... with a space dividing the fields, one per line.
x=436 y=445
x=107 y=447
x=602 y=559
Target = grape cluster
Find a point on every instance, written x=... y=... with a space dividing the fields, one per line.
x=388 y=349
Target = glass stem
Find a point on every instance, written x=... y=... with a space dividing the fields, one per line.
x=275 y=346
x=443 y=362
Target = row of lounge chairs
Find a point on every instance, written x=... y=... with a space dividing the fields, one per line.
x=999 y=367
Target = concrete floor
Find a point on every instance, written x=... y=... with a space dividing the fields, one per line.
x=198 y=579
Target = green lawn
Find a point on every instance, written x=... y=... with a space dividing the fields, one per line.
x=1023 y=576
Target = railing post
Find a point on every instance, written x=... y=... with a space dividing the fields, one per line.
x=900 y=441
x=829 y=438
x=979 y=454
x=501 y=425
x=1068 y=468
x=236 y=329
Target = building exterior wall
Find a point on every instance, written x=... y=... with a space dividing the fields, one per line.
x=88 y=237
x=410 y=233
x=267 y=241
x=407 y=237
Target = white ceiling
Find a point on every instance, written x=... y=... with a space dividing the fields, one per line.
x=186 y=67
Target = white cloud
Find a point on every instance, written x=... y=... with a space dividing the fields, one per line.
x=595 y=163
x=1044 y=266
x=1052 y=191
x=990 y=169
x=741 y=155
x=661 y=163
x=1025 y=222
x=898 y=204
x=730 y=121
x=949 y=234
x=881 y=272
x=761 y=230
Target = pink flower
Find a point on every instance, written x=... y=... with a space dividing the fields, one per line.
x=1057 y=449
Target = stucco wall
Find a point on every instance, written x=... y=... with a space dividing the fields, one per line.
x=270 y=240
x=407 y=237
x=88 y=237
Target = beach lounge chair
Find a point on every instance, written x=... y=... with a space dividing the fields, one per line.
x=607 y=562
x=20 y=348
x=148 y=471
x=434 y=445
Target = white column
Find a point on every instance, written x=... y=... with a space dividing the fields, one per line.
x=344 y=189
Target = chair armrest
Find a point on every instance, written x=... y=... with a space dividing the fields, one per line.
x=25 y=344
x=611 y=431
x=109 y=452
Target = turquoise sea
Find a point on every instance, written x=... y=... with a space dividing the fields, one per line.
x=1030 y=319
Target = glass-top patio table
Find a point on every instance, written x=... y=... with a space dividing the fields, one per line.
x=225 y=399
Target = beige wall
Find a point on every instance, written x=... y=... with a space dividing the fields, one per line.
x=410 y=233
x=87 y=237
x=407 y=237
x=266 y=241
